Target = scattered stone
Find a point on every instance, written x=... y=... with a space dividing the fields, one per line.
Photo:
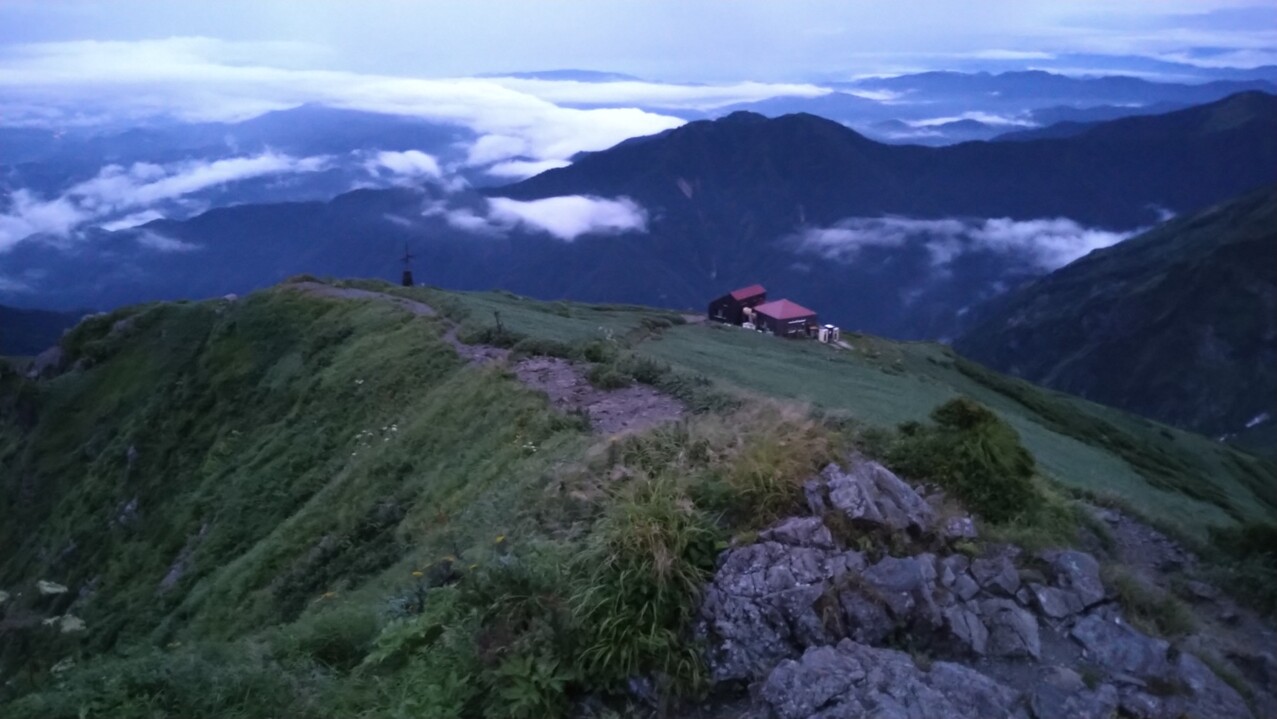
x=957 y=528
x=870 y=494
x=48 y=363
x=1119 y=648
x=1061 y=694
x=69 y=624
x=854 y=680
x=1077 y=573
x=966 y=627
x=996 y=575
x=1208 y=695
x=1056 y=603
x=1013 y=632
x=965 y=587
x=800 y=532
x=50 y=588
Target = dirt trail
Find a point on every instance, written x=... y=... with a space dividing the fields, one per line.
x=627 y=409
x=318 y=289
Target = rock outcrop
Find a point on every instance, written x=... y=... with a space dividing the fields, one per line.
x=817 y=628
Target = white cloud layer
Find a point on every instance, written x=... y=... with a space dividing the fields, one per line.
x=195 y=79
x=1046 y=244
x=410 y=163
x=522 y=169
x=135 y=189
x=570 y=216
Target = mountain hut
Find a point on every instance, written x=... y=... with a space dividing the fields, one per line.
x=784 y=318
x=730 y=308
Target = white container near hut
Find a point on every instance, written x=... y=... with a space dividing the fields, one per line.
x=829 y=334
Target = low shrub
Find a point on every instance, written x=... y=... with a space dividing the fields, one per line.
x=608 y=377
x=1147 y=607
x=638 y=584
x=544 y=347
x=338 y=638
x=974 y=454
x=1250 y=568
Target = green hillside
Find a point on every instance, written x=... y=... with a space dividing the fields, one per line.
x=295 y=505
x=1178 y=324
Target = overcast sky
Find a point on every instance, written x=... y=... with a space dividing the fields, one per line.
x=684 y=40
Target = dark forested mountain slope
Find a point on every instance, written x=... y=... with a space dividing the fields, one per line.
x=1178 y=324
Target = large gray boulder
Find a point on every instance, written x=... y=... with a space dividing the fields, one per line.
x=1013 y=632
x=1122 y=650
x=1060 y=693
x=997 y=574
x=854 y=680
x=869 y=494
x=907 y=585
x=762 y=605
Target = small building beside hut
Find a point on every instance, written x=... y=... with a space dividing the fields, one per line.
x=784 y=318
x=730 y=308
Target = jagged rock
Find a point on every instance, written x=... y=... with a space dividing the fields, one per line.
x=965 y=587
x=1055 y=603
x=1013 y=632
x=956 y=563
x=1119 y=648
x=869 y=493
x=854 y=680
x=1078 y=573
x=1061 y=694
x=1207 y=694
x=967 y=629
x=800 y=532
x=996 y=575
x=761 y=606
x=48 y=363
x=866 y=620
x=907 y=585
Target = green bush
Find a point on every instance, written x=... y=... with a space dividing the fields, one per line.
x=544 y=347
x=1251 y=565
x=337 y=638
x=608 y=377
x=975 y=455
x=637 y=588
x=1149 y=608
x=207 y=681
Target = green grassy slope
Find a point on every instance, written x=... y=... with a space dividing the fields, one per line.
x=243 y=496
x=1170 y=476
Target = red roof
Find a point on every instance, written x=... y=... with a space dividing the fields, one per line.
x=784 y=310
x=746 y=293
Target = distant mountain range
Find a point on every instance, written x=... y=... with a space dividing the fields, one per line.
x=896 y=240
x=942 y=108
x=1178 y=324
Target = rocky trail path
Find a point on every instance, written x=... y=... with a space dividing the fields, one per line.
x=633 y=408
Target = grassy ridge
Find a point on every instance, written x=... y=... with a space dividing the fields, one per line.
x=336 y=516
